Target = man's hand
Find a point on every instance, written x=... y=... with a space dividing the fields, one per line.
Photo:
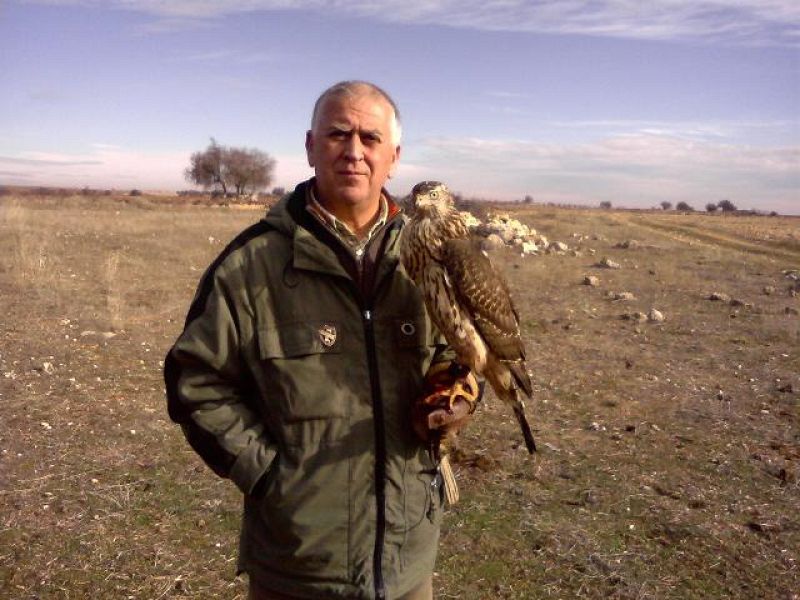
x=451 y=393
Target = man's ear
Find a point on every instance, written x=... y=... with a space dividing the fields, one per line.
x=393 y=168
x=310 y=147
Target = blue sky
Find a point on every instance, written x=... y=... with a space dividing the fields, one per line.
x=567 y=101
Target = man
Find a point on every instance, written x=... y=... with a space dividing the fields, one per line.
x=304 y=351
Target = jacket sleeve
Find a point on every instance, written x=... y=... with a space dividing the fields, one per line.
x=210 y=391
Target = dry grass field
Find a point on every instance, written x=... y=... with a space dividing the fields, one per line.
x=669 y=451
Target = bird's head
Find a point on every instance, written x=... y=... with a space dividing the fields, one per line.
x=429 y=198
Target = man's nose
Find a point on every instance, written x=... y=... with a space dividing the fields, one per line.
x=354 y=149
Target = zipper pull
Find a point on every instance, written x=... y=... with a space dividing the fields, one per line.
x=368 y=315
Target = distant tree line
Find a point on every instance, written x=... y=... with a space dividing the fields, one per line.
x=724 y=206
x=231 y=171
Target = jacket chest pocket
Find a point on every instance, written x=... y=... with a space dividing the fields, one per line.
x=304 y=372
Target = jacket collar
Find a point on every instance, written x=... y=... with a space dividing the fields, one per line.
x=310 y=252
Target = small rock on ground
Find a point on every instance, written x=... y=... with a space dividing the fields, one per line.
x=607 y=263
x=591 y=280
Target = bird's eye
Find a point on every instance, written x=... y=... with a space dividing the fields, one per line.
x=434 y=195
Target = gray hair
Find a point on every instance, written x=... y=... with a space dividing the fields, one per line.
x=355 y=87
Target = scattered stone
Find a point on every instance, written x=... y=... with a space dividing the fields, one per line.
x=471 y=220
x=616 y=296
x=636 y=317
x=557 y=247
x=655 y=316
x=628 y=245
x=590 y=497
x=46 y=367
x=529 y=248
x=607 y=263
x=791 y=310
x=591 y=280
x=106 y=335
x=492 y=242
x=507 y=235
x=769 y=290
x=787 y=388
x=719 y=297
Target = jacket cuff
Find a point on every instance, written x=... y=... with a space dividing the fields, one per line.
x=251 y=464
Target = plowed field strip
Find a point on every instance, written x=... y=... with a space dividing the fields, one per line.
x=717 y=239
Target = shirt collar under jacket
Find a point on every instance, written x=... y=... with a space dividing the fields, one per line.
x=340 y=229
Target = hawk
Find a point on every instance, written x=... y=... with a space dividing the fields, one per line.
x=466 y=297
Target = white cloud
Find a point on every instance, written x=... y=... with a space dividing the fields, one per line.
x=111 y=166
x=228 y=57
x=633 y=170
x=106 y=166
x=772 y=22
x=704 y=130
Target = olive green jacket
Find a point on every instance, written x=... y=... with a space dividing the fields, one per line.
x=296 y=383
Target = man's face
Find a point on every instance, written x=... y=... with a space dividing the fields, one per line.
x=351 y=149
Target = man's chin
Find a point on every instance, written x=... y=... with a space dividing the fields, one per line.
x=349 y=194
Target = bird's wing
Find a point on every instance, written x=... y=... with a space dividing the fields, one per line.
x=483 y=292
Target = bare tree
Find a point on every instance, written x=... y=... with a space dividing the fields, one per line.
x=248 y=170
x=684 y=206
x=666 y=205
x=711 y=207
x=205 y=168
x=726 y=206
x=241 y=170
x=605 y=204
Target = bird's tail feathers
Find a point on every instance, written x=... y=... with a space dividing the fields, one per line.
x=530 y=444
x=521 y=377
x=508 y=395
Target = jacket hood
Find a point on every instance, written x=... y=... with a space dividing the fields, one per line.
x=278 y=216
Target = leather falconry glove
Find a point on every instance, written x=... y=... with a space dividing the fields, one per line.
x=451 y=395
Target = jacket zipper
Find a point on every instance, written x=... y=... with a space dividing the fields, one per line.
x=380 y=458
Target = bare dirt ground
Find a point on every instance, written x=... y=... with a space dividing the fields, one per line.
x=669 y=451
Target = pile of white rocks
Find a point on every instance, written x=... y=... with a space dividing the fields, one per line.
x=501 y=230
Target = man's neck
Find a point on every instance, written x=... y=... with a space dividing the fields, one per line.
x=358 y=219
